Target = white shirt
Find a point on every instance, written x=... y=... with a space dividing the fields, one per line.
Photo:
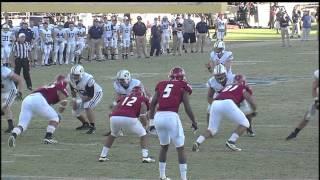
x=221 y=24
x=107 y=29
x=47 y=35
x=59 y=35
x=165 y=27
x=71 y=34
x=126 y=31
x=86 y=80
x=121 y=90
x=115 y=29
x=8 y=83
x=216 y=86
x=6 y=37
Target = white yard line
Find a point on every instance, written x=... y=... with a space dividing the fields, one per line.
x=27 y=155
x=57 y=177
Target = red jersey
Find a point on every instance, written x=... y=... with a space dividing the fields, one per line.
x=50 y=92
x=130 y=106
x=170 y=93
x=233 y=92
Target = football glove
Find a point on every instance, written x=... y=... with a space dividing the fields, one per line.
x=19 y=96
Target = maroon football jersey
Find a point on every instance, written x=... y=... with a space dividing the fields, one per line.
x=130 y=106
x=50 y=92
x=233 y=92
x=170 y=94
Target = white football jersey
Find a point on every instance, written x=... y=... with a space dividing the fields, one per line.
x=71 y=34
x=86 y=80
x=221 y=58
x=6 y=81
x=6 y=37
x=115 y=29
x=107 y=29
x=121 y=90
x=214 y=84
x=126 y=31
x=165 y=27
x=59 y=34
x=47 y=35
x=35 y=30
x=221 y=24
x=316 y=74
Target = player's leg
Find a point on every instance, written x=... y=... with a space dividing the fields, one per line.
x=56 y=51
x=60 y=50
x=77 y=108
x=8 y=99
x=89 y=109
x=68 y=53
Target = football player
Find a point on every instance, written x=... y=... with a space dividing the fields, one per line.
x=125 y=116
x=39 y=102
x=72 y=37
x=126 y=32
x=7 y=37
x=59 y=38
x=226 y=104
x=221 y=27
x=46 y=43
x=312 y=108
x=115 y=38
x=165 y=34
x=169 y=94
x=9 y=92
x=86 y=94
x=216 y=83
x=107 y=37
x=220 y=56
x=80 y=44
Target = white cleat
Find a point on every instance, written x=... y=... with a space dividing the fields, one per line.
x=103 y=159
x=195 y=147
x=49 y=141
x=120 y=133
x=148 y=160
x=12 y=142
x=231 y=145
x=166 y=178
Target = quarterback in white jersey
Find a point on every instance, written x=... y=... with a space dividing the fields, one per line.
x=59 y=36
x=165 y=34
x=80 y=42
x=221 y=27
x=126 y=31
x=46 y=43
x=86 y=95
x=9 y=93
x=7 y=37
x=220 y=56
x=72 y=36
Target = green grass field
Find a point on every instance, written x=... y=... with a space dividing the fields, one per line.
x=283 y=78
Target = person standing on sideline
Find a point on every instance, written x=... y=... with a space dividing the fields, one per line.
x=221 y=27
x=312 y=108
x=94 y=36
x=202 y=33
x=306 y=26
x=169 y=94
x=21 y=52
x=155 y=38
x=189 y=33
x=284 y=20
x=296 y=18
x=140 y=29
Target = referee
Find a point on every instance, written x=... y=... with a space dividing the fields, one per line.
x=21 y=51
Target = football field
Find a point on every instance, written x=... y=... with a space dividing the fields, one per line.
x=281 y=78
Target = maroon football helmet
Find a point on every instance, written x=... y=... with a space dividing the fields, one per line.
x=240 y=79
x=177 y=73
x=137 y=91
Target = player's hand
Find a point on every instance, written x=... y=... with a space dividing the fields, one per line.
x=208 y=66
x=19 y=96
x=254 y=114
x=194 y=127
x=60 y=117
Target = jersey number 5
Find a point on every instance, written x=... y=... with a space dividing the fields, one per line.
x=129 y=102
x=167 y=91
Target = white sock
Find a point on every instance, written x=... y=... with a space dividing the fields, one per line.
x=145 y=152
x=162 y=169
x=201 y=139
x=51 y=129
x=151 y=122
x=183 y=171
x=104 y=151
x=16 y=130
x=234 y=137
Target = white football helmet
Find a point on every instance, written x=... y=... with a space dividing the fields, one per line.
x=5 y=27
x=77 y=72
x=220 y=73
x=219 y=46
x=124 y=77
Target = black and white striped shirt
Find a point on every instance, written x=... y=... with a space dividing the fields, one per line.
x=21 y=50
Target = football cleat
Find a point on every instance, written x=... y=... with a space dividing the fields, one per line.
x=152 y=130
x=120 y=133
x=84 y=126
x=103 y=159
x=9 y=130
x=291 y=136
x=49 y=141
x=232 y=145
x=250 y=133
x=166 y=178
x=148 y=160
x=91 y=130
x=195 y=147
x=12 y=142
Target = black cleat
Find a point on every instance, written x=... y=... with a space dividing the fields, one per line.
x=291 y=136
x=91 y=130
x=84 y=126
x=9 y=130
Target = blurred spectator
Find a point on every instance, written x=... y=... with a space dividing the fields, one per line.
x=221 y=27
x=139 y=29
x=155 y=38
x=306 y=26
x=317 y=16
x=284 y=25
x=36 y=43
x=179 y=36
x=27 y=31
x=95 y=38
x=202 y=33
x=296 y=17
x=273 y=11
x=189 y=33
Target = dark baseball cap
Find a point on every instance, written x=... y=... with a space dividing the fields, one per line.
x=139 y=18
